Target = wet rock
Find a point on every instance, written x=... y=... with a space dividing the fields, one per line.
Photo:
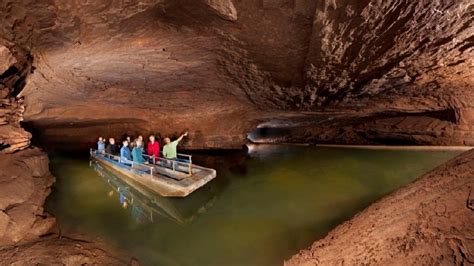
x=424 y=223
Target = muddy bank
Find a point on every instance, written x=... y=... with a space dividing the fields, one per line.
x=28 y=234
x=429 y=222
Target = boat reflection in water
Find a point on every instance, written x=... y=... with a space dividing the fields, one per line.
x=147 y=206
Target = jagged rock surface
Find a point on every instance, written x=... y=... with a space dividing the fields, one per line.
x=429 y=222
x=12 y=77
x=26 y=183
x=54 y=250
x=28 y=235
x=378 y=72
x=166 y=66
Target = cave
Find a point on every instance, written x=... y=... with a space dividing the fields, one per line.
x=277 y=95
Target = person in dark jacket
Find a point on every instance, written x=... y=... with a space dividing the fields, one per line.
x=111 y=147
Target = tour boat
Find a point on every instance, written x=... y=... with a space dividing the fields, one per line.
x=168 y=178
x=147 y=206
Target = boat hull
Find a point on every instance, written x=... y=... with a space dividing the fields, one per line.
x=164 y=186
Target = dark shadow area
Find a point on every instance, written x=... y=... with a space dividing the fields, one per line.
x=268 y=135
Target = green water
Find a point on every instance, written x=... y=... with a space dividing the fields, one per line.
x=261 y=209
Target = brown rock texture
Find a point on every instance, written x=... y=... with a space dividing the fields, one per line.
x=26 y=183
x=340 y=71
x=429 y=222
x=12 y=136
x=218 y=68
x=28 y=235
x=53 y=250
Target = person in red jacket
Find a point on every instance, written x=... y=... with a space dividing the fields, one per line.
x=153 y=148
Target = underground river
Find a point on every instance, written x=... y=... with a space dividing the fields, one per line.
x=262 y=208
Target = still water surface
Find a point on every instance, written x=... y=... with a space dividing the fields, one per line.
x=261 y=209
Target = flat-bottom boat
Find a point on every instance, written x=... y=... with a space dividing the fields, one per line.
x=147 y=206
x=168 y=178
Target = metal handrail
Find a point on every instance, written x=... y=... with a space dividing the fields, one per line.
x=164 y=161
x=117 y=158
x=174 y=162
x=179 y=154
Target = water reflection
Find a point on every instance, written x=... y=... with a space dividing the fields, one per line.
x=262 y=208
x=146 y=206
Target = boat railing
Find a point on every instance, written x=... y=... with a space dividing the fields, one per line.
x=116 y=158
x=173 y=164
x=161 y=162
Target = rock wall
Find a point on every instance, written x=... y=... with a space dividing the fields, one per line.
x=26 y=182
x=28 y=234
x=394 y=49
x=428 y=222
x=13 y=72
x=219 y=68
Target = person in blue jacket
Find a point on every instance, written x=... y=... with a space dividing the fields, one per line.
x=137 y=152
x=125 y=156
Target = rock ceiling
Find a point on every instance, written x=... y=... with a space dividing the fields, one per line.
x=220 y=67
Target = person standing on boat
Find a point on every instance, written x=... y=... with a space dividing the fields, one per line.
x=142 y=147
x=137 y=152
x=153 y=148
x=129 y=143
x=170 y=148
x=125 y=156
x=111 y=147
x=101 y=145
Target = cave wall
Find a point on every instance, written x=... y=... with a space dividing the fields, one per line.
x=14 y=67
x=26 y=183
x=218 y=68
x=368 y=48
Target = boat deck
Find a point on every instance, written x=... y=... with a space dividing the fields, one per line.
x=177 y=181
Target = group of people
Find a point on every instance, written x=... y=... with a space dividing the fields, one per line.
x=133 y=151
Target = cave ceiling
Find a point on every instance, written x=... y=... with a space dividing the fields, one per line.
x=222 y=66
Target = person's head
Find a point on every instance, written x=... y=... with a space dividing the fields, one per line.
x=138 y=142
x=152 y=138
x=140 y=138
x=101 y=139
x=112 y=141
x=167 y=140
x=125 y=143
x=128 y=139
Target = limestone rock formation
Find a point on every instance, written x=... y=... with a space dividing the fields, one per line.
x=26 y=183
x=12 y=136
x=167 y=66
x=224 y=8
x=429 y=222
x=6 y=59
x=52 y=250
x=28 y=235
x=352 y=71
